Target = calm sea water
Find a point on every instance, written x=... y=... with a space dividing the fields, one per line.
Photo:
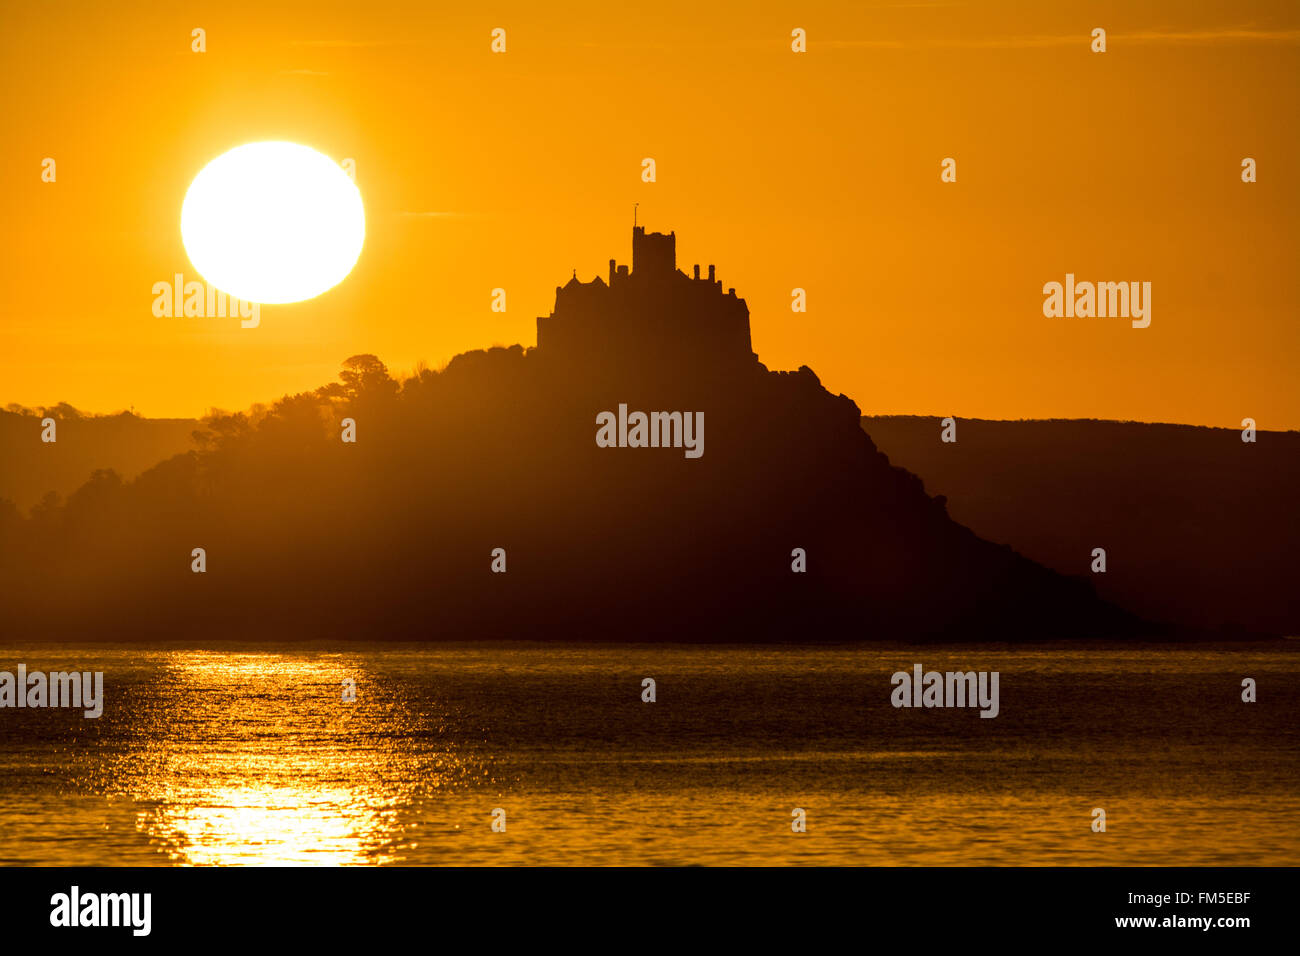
x=248 y=755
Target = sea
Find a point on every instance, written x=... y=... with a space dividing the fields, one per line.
x=547 y=754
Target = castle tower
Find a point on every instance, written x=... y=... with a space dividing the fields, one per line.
x=653 y=254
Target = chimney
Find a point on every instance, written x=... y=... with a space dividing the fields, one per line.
x=711 y=279
x=697 y=272
x=611 y=271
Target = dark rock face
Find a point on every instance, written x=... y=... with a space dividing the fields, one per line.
x=392 y=537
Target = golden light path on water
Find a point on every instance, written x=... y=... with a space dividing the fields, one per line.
x=248 y=755
x=282 y=827
x=262 y=763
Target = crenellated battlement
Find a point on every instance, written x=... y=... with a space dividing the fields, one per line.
x=652 y=311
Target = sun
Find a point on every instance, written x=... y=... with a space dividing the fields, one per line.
x=273 y=222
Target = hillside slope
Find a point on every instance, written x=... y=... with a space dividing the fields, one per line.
x=1200 y=528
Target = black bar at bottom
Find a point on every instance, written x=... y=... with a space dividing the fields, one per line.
x=639 y=907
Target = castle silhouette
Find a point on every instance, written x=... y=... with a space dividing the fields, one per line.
x=499 y=450
x=652 y=313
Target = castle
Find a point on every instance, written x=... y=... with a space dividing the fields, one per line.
x=653 y=313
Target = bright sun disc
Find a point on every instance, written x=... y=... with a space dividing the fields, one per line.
x=273 y=223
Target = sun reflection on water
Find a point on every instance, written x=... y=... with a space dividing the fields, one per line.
x=286 y=826
x=258 y=761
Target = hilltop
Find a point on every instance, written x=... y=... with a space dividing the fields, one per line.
x=396 y=534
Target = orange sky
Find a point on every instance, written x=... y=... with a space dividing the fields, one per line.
x=818 y=170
